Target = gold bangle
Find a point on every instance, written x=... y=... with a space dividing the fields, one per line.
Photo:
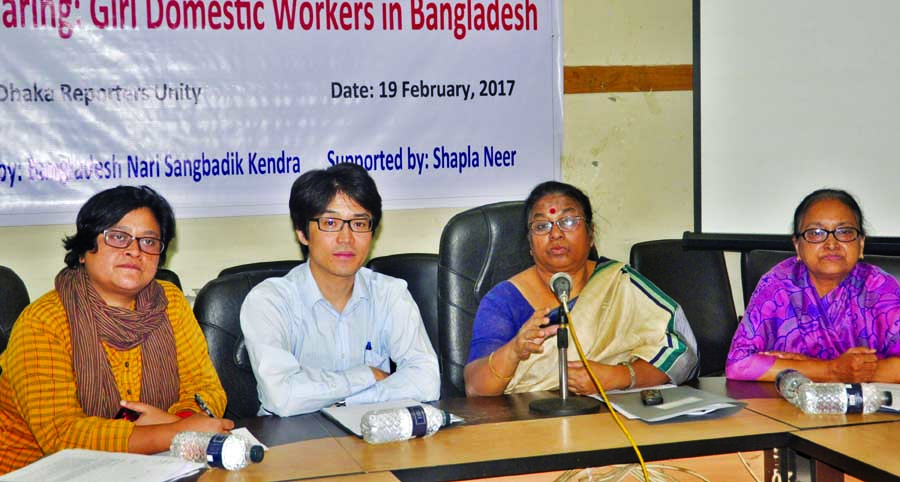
x=494 y=372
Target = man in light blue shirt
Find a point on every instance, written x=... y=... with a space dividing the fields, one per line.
x=326 y=331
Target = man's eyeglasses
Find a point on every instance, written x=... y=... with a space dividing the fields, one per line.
x=121 y=240
x=567 y=223
x=333 y=225
x=819 y=235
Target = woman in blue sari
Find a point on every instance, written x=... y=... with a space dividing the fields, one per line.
x=633 y=334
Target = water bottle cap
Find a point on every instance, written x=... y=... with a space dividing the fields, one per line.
x=256 y=454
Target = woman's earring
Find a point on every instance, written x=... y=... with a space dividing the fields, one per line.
x=798 y=258
x=861 y=256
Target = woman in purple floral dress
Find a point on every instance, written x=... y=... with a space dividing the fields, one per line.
x=824 y=313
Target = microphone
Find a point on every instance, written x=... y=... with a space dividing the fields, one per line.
x=561 y=286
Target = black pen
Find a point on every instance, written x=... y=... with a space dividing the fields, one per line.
x=202 y=405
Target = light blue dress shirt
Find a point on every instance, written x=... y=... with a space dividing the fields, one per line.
x=306 y=355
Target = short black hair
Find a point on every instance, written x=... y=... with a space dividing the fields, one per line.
x=106 y=208
x=555 y=187
x=314 y=190
x=844 y=197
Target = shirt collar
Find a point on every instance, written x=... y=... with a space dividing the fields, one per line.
x=310 y=293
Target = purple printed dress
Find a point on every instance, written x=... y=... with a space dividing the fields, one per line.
x=786 y=314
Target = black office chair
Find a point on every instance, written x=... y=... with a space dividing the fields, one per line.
x=218 y=310
x=698 y=281
x=419 y=270
x=13 y=299
x=756 y=263
x=479 y=248
x=277 y=268
x=170 y=276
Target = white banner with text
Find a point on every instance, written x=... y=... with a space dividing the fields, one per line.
x=221 y=104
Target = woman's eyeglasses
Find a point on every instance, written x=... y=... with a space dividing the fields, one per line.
x=120 y=239
x=819 y=235
x=567 y=223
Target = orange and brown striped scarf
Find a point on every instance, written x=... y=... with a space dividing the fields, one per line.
x=92 y=321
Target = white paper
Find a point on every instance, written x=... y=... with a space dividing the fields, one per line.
x=78 y=465
x=632 y=390
x=678 y=401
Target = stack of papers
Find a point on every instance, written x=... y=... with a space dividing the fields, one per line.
x=77 y=465
x=677 y=401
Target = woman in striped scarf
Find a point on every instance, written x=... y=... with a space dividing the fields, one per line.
x=107 y=338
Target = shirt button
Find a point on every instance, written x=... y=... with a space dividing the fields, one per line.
x=126 y=364
x=128 y=392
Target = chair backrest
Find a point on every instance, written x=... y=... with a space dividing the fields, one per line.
x=756 y=263
x=170 y=276
x=218 y=310
x=698 y=281
x=479 y=248
x=277 y=268
x=13 y=299
x=419 y=270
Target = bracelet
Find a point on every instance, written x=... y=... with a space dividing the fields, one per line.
x=627 y=364
x=494 y=372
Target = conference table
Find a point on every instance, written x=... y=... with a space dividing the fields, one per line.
x=501 y=436
x=861 y=445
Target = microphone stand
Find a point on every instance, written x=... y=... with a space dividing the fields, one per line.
x=565 y=404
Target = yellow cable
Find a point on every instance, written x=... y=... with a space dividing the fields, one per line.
x=612 y=411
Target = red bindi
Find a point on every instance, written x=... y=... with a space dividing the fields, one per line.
x=552 y=210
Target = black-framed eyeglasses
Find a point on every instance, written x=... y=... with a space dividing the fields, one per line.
x=566 y=223
x=121 y=240
x=333 y=225
x=844 y=234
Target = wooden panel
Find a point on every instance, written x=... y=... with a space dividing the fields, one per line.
x=872 y=445
x=627 y=78
x=714 y=467
x=541 y=437
x=373 y=477
x=299 y=460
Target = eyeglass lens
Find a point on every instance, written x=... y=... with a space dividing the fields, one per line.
x=568 y=223
x=122 y=240
x=819 y=235
x=361 y=225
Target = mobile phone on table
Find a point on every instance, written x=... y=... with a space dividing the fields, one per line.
x=651 y=396
x=127 y=414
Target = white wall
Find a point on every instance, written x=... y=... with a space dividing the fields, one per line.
x=631 y=152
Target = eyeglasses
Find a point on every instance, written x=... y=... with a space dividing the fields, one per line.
x=819 y=235
x=567 y=223
x=120 y=239
x=333 y=225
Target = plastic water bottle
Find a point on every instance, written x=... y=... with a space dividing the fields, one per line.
x=788 y=383
x=827 y=398
x=393 y=424
x=216 y=450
